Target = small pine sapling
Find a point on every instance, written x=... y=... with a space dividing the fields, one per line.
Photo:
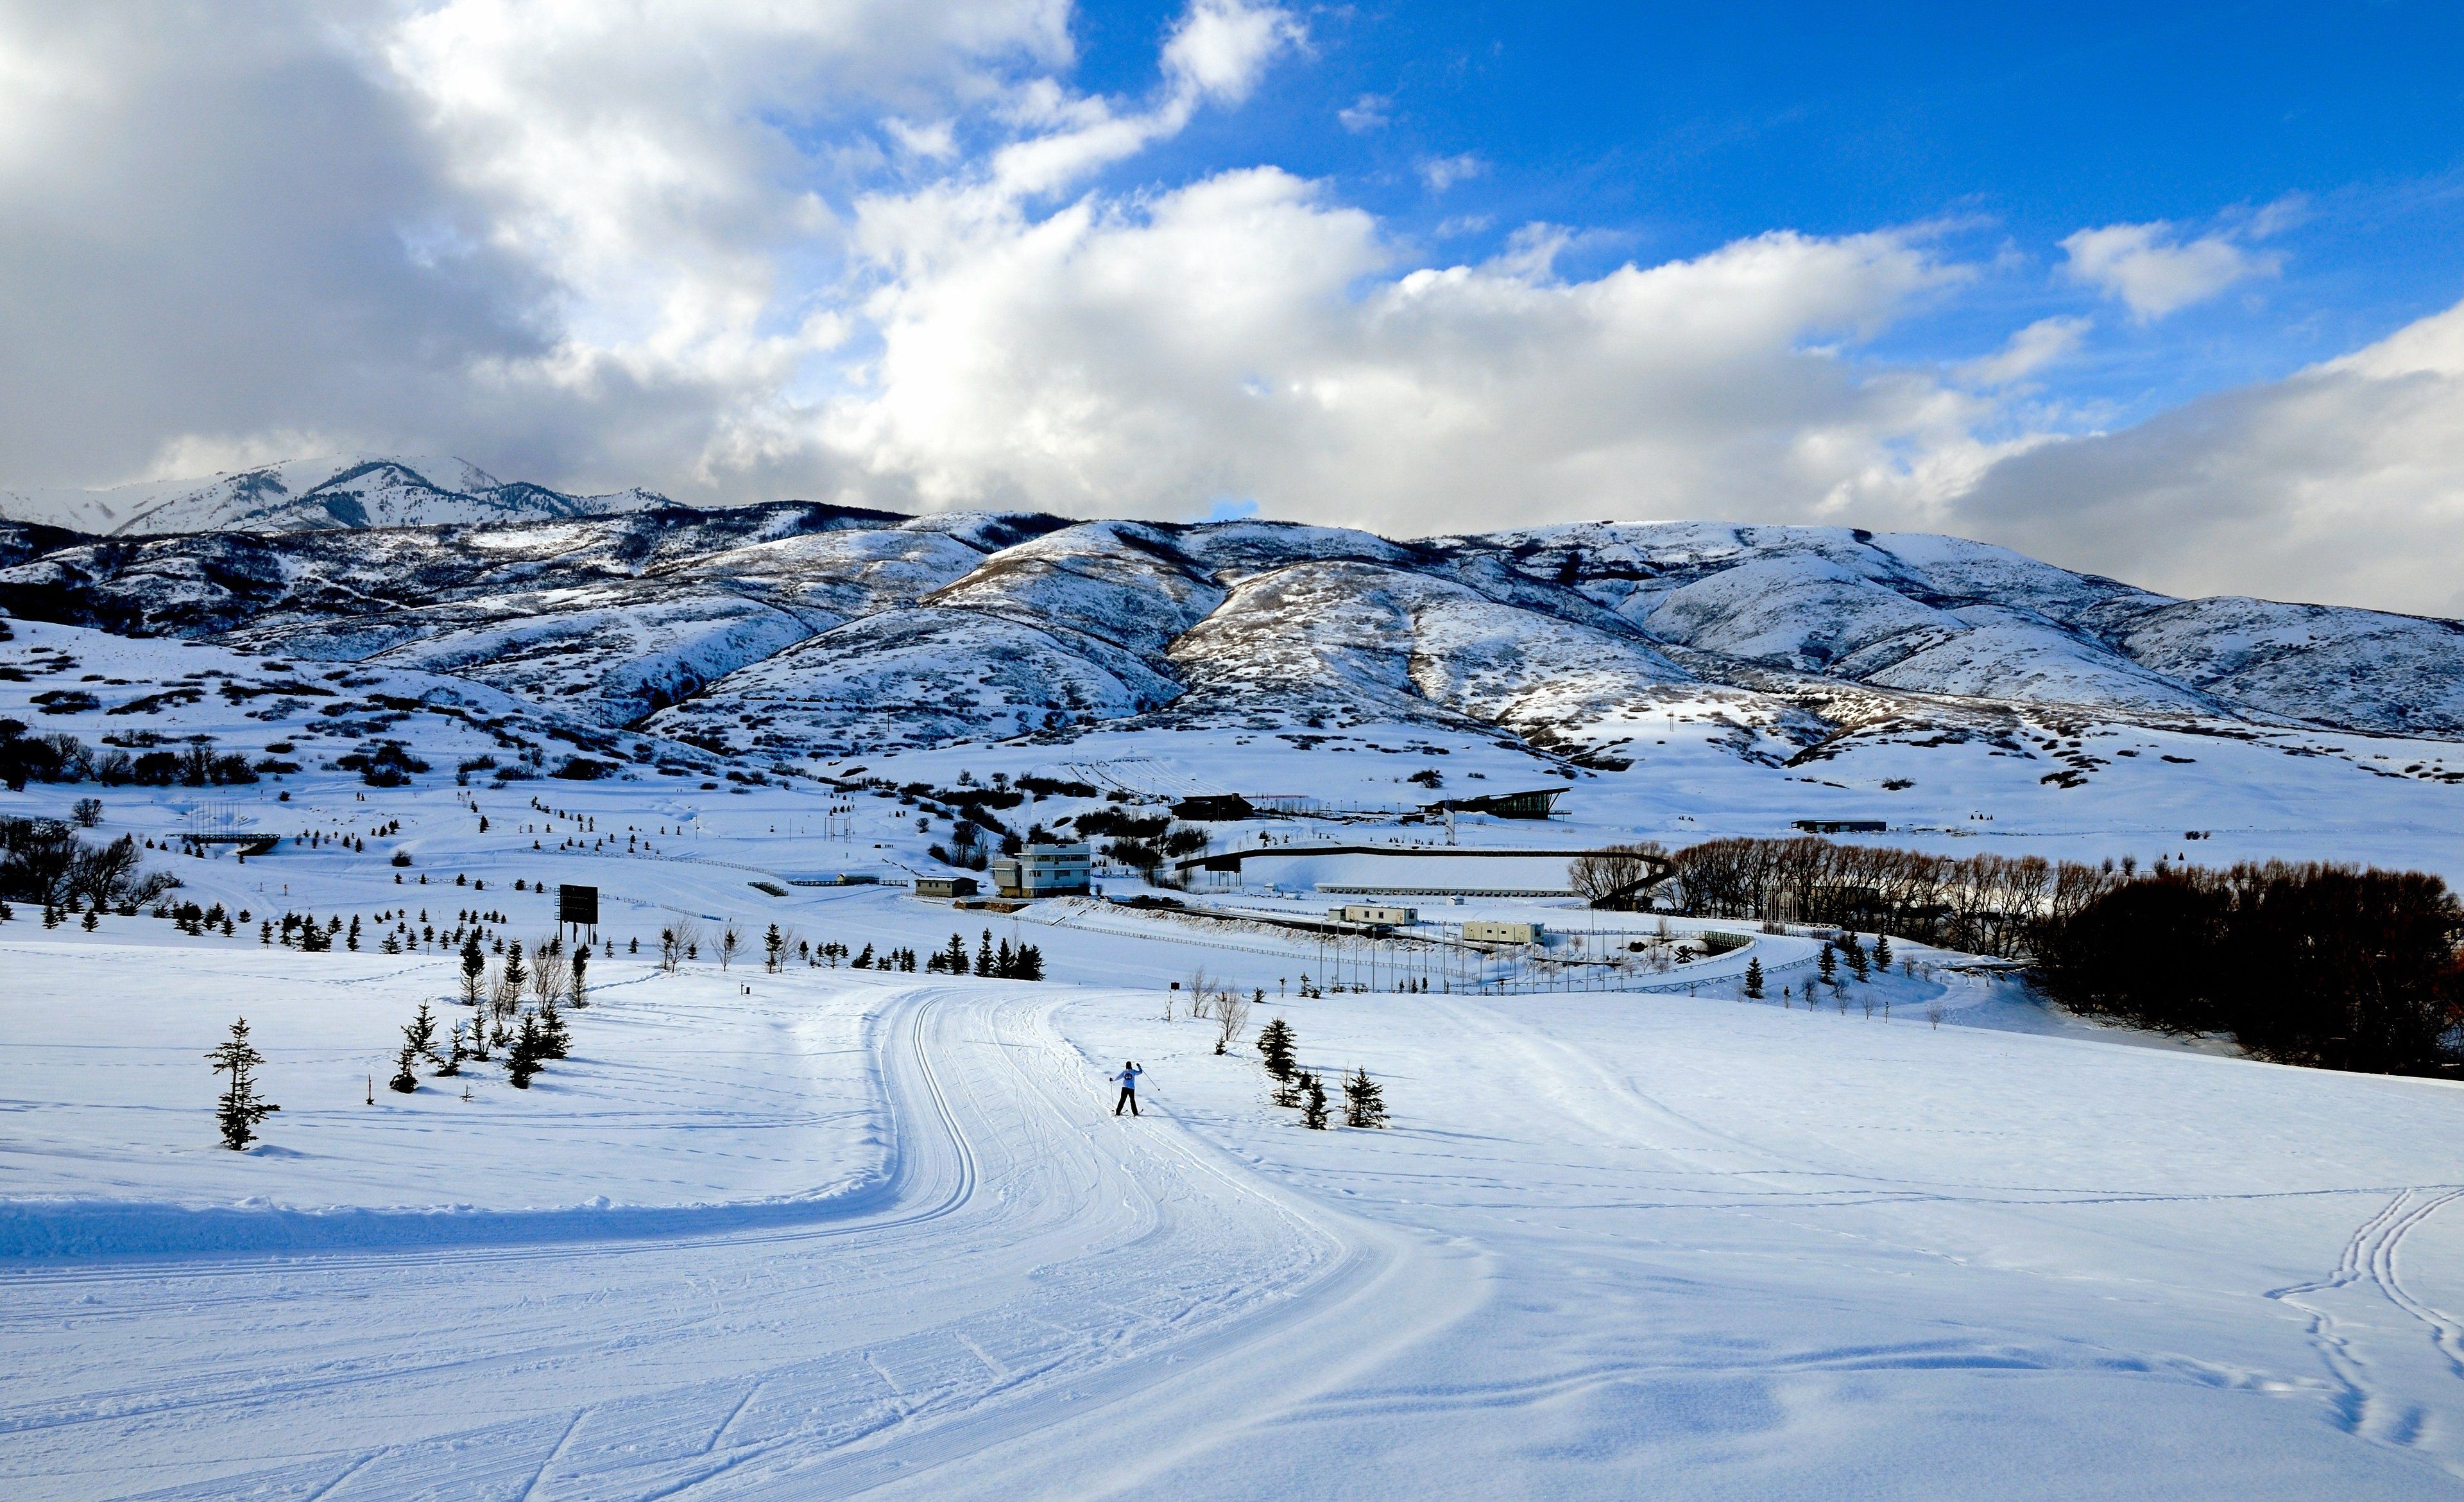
x=523 y=1060
x=554 y=1039
x=1882 y=953
x=1313 y=1112
x=1830 y=967
x=240 y=1108
x=421 y=1033
x=1753 y=979
x=405 y=1077
x=581 y=992
x=1364 y=1101
x=1275 y=1044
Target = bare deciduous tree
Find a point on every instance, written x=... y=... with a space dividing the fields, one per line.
x=678 y=941
x=551 y=973
x=1231 y=1013
x=1614 y=873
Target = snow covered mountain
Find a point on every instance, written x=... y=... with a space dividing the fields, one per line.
x=797 y=628
x=300 y=494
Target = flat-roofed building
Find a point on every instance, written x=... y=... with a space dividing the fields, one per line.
x=1377 y=914
x=1498 y=931
x=946 y=887
x=1045 y=870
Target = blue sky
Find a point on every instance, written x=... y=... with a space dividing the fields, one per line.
x=1666 y=131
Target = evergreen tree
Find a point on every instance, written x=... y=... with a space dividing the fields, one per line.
x=421 y=1033
x=353 y=938
x=1857 y=961
x=1005 y=965
x=240 y=1108
x=1882 y=953
x=1031 y=962
x=774 y=948
x=862 y=961
x=1754 y=980
x=523 y=1061
x=554 y=1039
x=1829 y=968
x=516 y=975
x=1364 y=1102
x=406 y=1078
x=984 y=953
x=455 y=1054
x=1275 y=1044
x=1313 y=1112
x=91 y=921
x=954 y=958
x=581 y=976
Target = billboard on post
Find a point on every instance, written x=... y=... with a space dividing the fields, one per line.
x=577 y=905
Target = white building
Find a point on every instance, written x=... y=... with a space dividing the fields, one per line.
x=1043 y=870
x=1377 y=914
x=1497 y=931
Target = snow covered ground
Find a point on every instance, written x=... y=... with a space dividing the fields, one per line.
x=856 y=1232
x=828 y=1231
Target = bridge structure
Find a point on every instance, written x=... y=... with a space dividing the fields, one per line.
x=1657 y=866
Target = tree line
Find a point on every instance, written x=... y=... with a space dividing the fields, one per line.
x=1980 y=904
x=2332 y=966
x=2329 y=965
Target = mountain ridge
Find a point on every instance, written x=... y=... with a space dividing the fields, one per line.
x=801 y=628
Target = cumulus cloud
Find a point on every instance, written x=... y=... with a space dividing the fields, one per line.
x=735 y=250
x=2152 y=271
x=563 y=237
x=2031 y=349
x=2342 y=485
x=1247 y=335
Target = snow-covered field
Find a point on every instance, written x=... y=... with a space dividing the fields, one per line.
x=821 y=1230
x=847 y=1231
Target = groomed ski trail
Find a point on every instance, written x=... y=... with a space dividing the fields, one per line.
x=1032 y=1297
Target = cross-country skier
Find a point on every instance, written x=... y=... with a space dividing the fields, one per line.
x=1128 y=1078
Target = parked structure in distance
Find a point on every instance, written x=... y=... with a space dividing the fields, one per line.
x=1488 y=931
x=946 y=887
x=1843 y=826
x=1377 y=914
x=1538 y=802
x=1045 y=870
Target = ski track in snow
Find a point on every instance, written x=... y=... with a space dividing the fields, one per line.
x=2370 y=1275
x=503 y=1380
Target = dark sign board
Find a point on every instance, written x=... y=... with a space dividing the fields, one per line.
x=577 y=904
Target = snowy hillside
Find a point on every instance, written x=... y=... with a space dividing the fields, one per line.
x=299 y=495
x=1690 y=676
x=820 y=1228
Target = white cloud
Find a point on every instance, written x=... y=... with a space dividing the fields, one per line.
x=1367 y=113
x=2152 y=271
x=741 y=247
x=1443 y=172
x=2341 y=484
x=2028 y=352
x=1247 y=336
x=1220 y=47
